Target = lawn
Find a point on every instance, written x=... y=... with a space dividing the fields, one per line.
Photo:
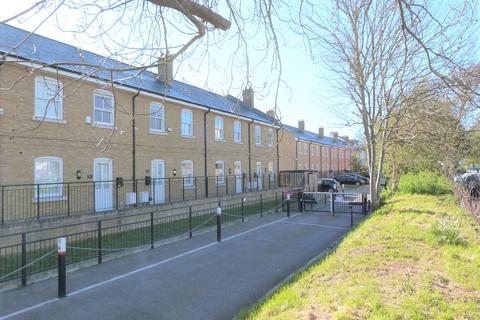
x=418 y=257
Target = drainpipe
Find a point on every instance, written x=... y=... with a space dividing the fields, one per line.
x=249 y=154
x=321 y=160
x=278 y=160
x=205 y=149
x=309 y=156
x=296 y=155
x=133 y=142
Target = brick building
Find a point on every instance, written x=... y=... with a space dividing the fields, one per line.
x=74 y=124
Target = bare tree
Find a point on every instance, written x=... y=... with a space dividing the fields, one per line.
x=379 y=56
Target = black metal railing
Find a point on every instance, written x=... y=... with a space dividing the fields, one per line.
x=28 y=253
x=37 y=201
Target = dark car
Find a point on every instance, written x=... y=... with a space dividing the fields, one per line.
x=328 y=185
x=348 y=179
x=363 y=179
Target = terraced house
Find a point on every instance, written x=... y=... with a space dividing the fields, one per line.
x=73 y=136
x=305 y=150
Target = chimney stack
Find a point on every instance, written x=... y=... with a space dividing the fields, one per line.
x=248 y=97
x=345 y=138
x=334 y=135
x=165 y=69
x=271 y=113
x=301 y=126
x=321 y=132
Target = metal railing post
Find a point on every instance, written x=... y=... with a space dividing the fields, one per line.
x=99 y=240
x=38 y=201
x=190 y=221
x=226 y=185
x=24 y=259
x=152 y=235
x=136 y=193
x=283 y=201
x=216 y=180
x=153 y=191
x=68 y=199
x=93 y=197
x=261 y=206
x=351 y=217
x=116 y=196
x=169 y=191
x=3 y=204
x=195 y=188
x=332 y=204
x=183 y=189
x=276 y=202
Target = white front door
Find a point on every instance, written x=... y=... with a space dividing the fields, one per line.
x=102 y=175
x=258 y=170
x=158 y=181
x=238 y=177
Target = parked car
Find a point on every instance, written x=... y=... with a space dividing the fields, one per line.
x=348 y=179
x=364 y=180
x=328 y=185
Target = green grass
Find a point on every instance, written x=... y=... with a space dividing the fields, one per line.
x=424 y=182
x=127 y=236
x=417 y=257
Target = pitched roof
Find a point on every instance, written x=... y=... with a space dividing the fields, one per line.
x=314 y=137
x=43 y=50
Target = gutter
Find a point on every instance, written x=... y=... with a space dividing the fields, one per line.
x=134 y=142
x=205 y=150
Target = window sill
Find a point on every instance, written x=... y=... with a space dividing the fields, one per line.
x=258 y=145
x=162 y=133
x=49 y=199
x=188 y=187
x=220 y=140
x=36 y=118
x=238 y=142
x=102 y=125
x=188 y=137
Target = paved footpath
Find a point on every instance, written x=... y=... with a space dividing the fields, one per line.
x=195 y=278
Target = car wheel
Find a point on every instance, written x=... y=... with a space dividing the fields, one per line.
x=357 y=183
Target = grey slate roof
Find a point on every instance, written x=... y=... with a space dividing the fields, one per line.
x=314 y=137
x=46 y=51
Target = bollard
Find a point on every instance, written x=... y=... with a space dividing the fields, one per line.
x=351 y=217
x=62 y=269
x=331 y=203
x=288 y=205
x=190 y=221
x=219 y=224
x=243 y=209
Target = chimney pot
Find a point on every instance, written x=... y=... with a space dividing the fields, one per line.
x=321 y=132
x=271 y=113
x=301 y=126
x=248 y=97
x=334 y=135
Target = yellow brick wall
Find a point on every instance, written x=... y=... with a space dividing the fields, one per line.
x=22 y=139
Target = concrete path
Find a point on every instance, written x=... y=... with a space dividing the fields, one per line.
x=196 y=278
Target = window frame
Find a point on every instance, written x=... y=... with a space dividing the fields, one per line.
x=258 y=134
x=154 y=115
x=59 y=94
x=188 y=181
x=221 y=131
x=270 y=137
x=57 y=184
x=220 y=178
x=239 y=123
x=101 y=123
x=190 y=133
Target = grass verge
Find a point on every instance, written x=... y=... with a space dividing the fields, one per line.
x=418 y=257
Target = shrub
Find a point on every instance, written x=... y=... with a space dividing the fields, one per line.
x=447 y=232
x=424 y=182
